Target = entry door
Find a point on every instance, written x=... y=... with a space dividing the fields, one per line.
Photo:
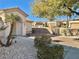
x=18 y=28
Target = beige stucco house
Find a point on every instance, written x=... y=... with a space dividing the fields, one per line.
x=74 y=24
x=21 y=28
x=61 y=27
x=38 y=24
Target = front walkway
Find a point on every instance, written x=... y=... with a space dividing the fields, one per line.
x=22 y=49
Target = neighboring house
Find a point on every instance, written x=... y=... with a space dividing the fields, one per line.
x=61 y=27
x=74 y=24
x=21 y=28
x=41 y=27
x=51 y=25
x=38 y=24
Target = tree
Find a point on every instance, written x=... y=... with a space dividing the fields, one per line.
x=71 y=6
x=47 y=8
x=2 y=27
x=12 y=18
x=74 y=8
x=51 y=8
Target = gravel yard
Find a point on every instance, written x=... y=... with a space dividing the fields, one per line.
x=22 y=49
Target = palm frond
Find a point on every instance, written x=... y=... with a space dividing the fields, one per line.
x=12 y=18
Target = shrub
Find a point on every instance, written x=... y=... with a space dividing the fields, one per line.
x=46 y=50
x=42 y=40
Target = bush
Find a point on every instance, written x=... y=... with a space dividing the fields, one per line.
x=42 y=40
x=46 y=50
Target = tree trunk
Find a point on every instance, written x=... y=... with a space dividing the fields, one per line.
x=1 y=44
x=67 y=22
x=9 y=38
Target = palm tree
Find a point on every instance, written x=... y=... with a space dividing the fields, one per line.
x=2 y=28
x=12 y=19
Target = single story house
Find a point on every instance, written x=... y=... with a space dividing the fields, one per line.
x=21 y=28
x=60 y=26
x=39 y=24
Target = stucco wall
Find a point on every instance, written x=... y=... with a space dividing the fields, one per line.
x=74 y=25
x=28 y=27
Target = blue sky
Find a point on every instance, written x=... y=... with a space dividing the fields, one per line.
x=24 y=5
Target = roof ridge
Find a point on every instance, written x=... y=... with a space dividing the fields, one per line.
x=4 y=9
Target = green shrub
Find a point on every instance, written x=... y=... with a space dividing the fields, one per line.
x=42 y=40
x=46 y=50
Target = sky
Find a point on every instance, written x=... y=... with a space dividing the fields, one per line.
x=24 y=5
